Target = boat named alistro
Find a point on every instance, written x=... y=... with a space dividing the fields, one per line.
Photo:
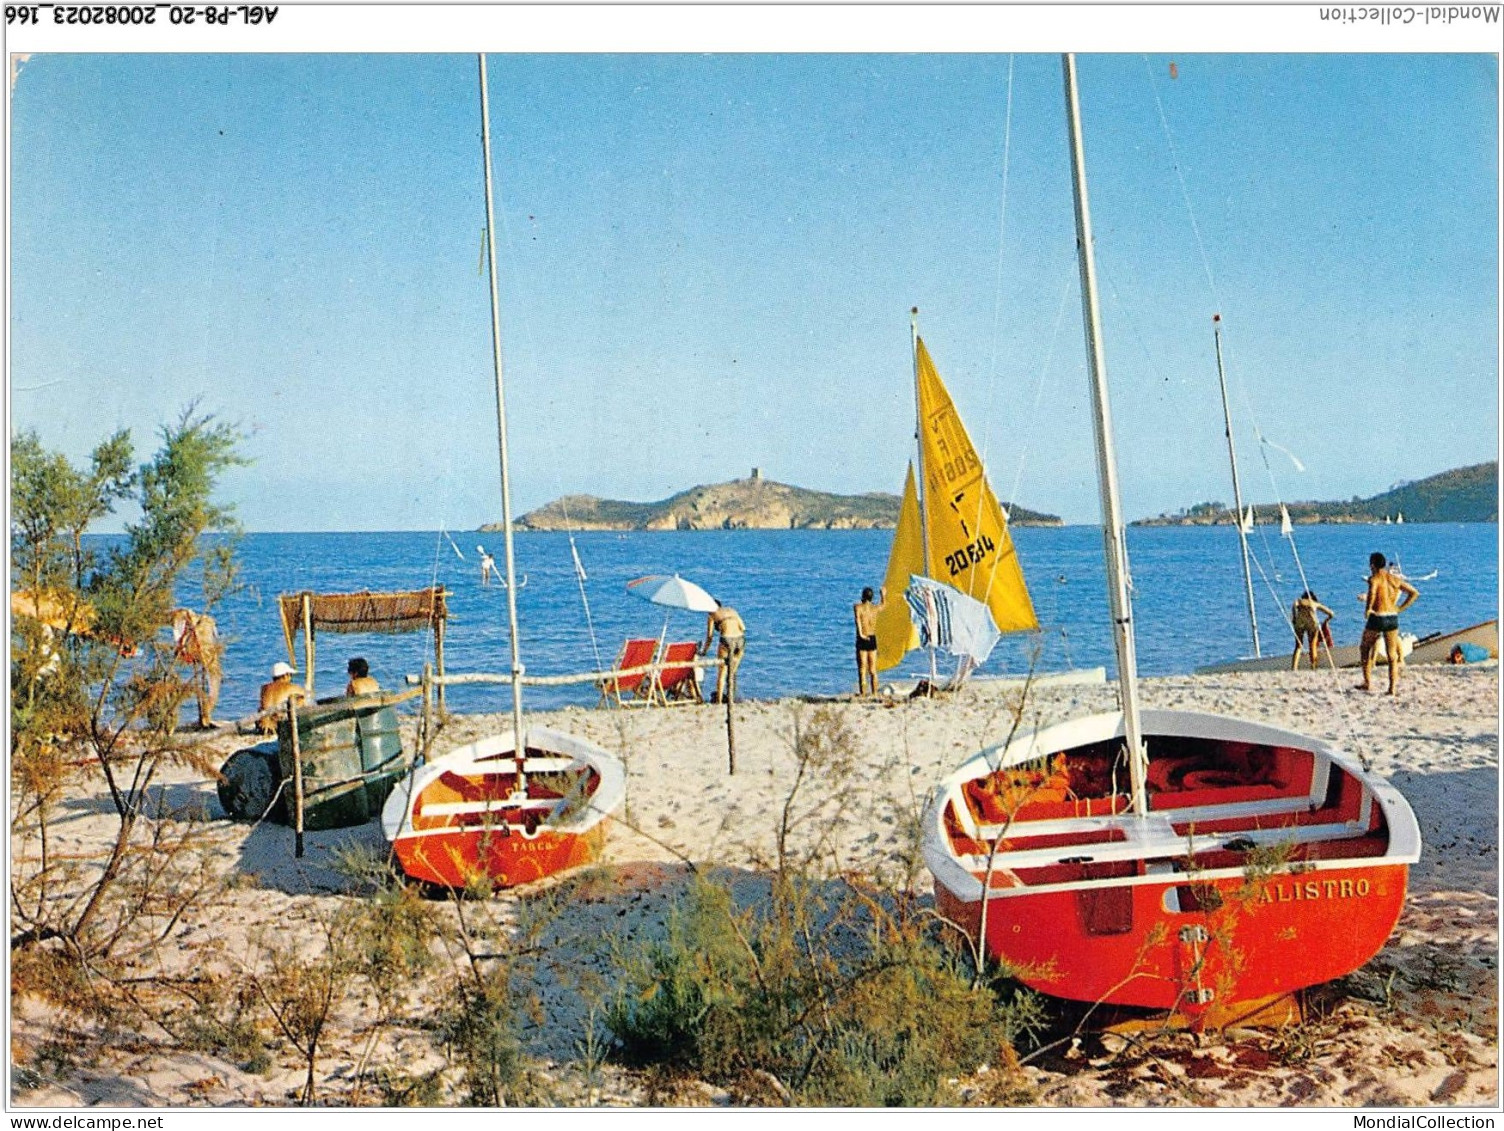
x=1166 y=859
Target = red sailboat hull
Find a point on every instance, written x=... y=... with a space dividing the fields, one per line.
x=1266 y=862
x=468 y=817
x=505 y=857
x=1120 y=945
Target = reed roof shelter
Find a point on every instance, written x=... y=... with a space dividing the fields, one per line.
x=415 y=610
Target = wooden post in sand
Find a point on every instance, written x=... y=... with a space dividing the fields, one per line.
x=308 y=643
x=438 y=655
x=297 y=776
x=425 y=731
x=730 y=725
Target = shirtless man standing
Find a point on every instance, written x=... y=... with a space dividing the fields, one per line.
x=866 y=641
x=733 y=640
x=1382 y=608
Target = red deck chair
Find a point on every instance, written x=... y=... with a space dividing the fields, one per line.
x=679 y=678
x=634 y=654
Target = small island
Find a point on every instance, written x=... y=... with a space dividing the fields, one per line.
x=1465 y=494
x=753 y=503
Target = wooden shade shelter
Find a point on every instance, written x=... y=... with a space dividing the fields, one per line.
x=411 y=611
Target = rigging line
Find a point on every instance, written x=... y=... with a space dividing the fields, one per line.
x=1278 y=600
x=1217 y=300
x=1269 y=553
x=1185 y=191
x=438 y=549
x=525 y=334
x=1023 y=454
x=1049 y=358
x=579 y=577
x=997 y=285
x=1264 y=444
x=1211 y=283
x=1343 y=712
x=997 y=319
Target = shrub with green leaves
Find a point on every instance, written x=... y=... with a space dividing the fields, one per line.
x=817 y=988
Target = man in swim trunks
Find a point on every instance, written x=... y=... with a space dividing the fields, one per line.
x=1303 y=620
x=733 y=641
x=866 y=641
x=1381 y=608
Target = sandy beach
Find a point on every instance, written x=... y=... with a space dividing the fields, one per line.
x=1418 y=1025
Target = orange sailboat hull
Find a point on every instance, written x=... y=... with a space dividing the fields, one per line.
x=1122 y=946
x=469 y=817
x=1266 y=862
x=506 y=857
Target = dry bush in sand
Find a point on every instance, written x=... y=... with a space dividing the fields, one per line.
x=806 y=985
x=478 y=1025
x=95 y=694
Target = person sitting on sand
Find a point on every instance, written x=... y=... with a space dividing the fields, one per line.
x=276 y=694
x=361 y=682
x=728 y=623
x=866 y=640
x=1381 y=610
x=196 y=640
x=1303 y=616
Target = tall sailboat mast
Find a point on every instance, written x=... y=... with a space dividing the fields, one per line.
x=1237 y=490
x=924 y=529
x=924 y=517
x=1107 y=472
x=520 y=749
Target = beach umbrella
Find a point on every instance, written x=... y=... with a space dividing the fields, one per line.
x=950 y=621
x=674 y=592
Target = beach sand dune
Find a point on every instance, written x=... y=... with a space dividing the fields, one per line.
x=1418 y=1025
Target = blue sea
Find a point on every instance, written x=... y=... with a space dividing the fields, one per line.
x=795 y=590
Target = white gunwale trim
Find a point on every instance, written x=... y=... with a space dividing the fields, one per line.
x=1057 y=826
x=973 y=890
x=495 y=805
x=1404 y=830
x=1173 y=847
x=493 y=756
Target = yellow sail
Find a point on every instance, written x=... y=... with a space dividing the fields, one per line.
x=969 y=545
x=896 y=633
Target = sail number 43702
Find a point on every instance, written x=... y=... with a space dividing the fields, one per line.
x=969 y=555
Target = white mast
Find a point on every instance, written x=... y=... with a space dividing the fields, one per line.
x=1107 y=473
x=520 y=748
x=924 y=529
x=924 y=525
x=1237 y=491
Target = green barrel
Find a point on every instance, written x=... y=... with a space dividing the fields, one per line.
x=352 y=758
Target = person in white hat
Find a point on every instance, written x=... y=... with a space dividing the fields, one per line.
x=276 y=694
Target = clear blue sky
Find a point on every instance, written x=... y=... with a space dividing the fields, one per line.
x=707 y=263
